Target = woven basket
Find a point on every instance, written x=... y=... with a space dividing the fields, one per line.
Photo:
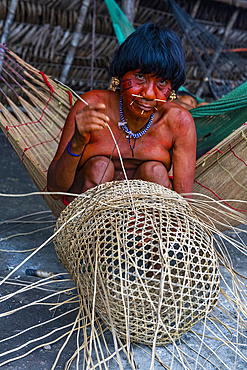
x=155 y=266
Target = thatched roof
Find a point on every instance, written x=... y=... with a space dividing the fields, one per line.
x=42 y=32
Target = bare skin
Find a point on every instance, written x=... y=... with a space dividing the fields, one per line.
x=186 y=101
x=86 y=129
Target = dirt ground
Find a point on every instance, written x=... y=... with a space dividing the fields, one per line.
x=25 y=235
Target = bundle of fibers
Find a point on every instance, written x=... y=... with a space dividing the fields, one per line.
x=138 y=252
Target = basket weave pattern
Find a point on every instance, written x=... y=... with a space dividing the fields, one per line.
x=155 y=265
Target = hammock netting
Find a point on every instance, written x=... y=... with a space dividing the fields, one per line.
x=122 y=27
x=215 y=121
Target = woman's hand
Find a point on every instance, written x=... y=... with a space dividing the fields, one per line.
x=87 y=120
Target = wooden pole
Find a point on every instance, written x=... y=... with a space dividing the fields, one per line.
x=93 y=44
x=195 y=9
x=75 y=40
x=193 y=15
x=8 y=23
x=129 y=7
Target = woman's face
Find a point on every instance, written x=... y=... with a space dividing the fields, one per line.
x=151 y=92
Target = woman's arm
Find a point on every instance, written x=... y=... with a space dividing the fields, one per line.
x=81 y=121
x=184 y=153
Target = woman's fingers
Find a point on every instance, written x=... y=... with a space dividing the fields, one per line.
x=96 y=106
x=89 y=117
x=94 y=109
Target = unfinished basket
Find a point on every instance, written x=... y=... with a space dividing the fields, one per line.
x=144 y=253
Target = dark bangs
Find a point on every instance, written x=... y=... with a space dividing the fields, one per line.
x=151 y=49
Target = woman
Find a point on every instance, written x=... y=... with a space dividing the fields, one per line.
x=148 y=66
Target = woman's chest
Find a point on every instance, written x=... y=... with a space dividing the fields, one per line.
x=153 y=145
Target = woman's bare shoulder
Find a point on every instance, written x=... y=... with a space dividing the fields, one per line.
x=179 y=114
x=175 y=115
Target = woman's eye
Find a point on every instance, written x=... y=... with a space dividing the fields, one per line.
x=139 y=76
x=163 y=82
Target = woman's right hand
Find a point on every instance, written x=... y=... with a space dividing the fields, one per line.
x=89 y=119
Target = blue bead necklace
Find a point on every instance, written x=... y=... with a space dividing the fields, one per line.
x=130 y=134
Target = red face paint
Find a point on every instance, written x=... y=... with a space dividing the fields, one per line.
x=148 y=87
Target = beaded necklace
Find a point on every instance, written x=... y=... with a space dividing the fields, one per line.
x=130 y=134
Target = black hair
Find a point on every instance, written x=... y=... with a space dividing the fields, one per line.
x=151 y=49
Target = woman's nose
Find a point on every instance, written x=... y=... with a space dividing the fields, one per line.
x=149 y=91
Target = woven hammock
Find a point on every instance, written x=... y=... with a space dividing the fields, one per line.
x=154 y=263
x=34 y=123
x=39 y=107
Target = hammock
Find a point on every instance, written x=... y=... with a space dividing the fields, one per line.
x=217 y=120
x=122 y=27
x=34 y=125
x=39 y=107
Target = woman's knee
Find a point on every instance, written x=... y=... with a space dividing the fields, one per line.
x=99 y=168
x=155 y=172
x=99 y=163
x=152 y=169
x=95 y=171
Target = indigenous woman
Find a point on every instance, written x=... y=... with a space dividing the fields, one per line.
x=152 y=132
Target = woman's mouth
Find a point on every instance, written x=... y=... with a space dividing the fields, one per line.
x=145 y=108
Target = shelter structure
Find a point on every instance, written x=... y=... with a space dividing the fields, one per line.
x=44 y=32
